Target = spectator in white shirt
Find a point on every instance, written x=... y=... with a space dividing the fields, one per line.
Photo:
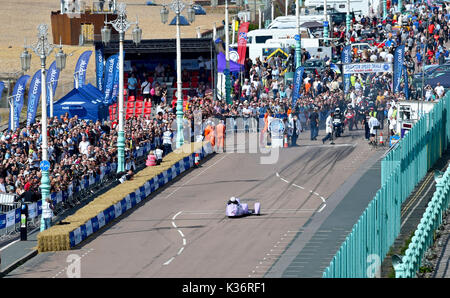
x=83 y=146
x=439 y=89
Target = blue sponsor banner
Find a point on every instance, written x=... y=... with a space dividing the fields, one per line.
x=298 y=78
x=346 y=58
x=72 y=238
x=81 y=67
x=99 y=68
x=124 y=206
x=39 y=205
x=356 y=68
x=106 y=215
x=399 y=55
x=109 y=77
x=95 y=226
x=33 y=97
x=406 y=82
x=17 y=99
x=115 y=90
x=2 y=86
x=83 y=232
x=2 y=221
x=52 y=81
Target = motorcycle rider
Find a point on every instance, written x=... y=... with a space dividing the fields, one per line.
x=366 y=125
x=338 y=121
x=232 y=200
x=351 y=118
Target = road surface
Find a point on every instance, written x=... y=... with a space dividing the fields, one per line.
x=183 y=231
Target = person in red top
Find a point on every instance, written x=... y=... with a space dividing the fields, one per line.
x=431 y=28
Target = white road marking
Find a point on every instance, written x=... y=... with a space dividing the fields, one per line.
x=301 y=187
x=182 y=236
x=175 y=216
x=170 y=260
x=320 y=210
x=6 y=246
x=298 y=186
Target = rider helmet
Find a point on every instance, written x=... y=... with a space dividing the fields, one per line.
x=233 y=199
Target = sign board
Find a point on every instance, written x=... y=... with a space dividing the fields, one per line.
x=367 y=68
x=44 y=165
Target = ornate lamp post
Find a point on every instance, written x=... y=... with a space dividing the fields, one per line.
x=43 y=49
x=325 y=23
x=177 y=7
x=121 y=25
x=227 y=57
x=298 y=44
x=347 y=20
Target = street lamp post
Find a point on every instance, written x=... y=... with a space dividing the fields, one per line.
x=43 y=49
x=272 y=9
x=121 y=25
x=298 y=44
x=347 y=21
x=325 y=23
x=177 y=6
x=227 y=57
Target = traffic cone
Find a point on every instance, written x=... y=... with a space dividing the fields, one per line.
x=381 y=139
x=286 y=141
x=197 y=160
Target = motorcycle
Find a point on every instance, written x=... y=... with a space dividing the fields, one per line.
x=338 y=127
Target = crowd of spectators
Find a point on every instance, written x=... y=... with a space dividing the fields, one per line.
x=77 y=148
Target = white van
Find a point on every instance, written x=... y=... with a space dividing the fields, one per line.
x=364 y=6
x=257 y=39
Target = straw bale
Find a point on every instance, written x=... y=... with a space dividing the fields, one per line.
x=57 y=237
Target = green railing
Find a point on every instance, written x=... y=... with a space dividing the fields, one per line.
x=424 y=235
x=402 y=169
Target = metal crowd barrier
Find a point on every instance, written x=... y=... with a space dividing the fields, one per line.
x=401 y=170
x=63 y=200
x=424 y=235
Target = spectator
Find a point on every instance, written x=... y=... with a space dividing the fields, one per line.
x=132 y=85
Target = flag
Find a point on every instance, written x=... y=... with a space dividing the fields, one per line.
x=399 y=56
x=81 y=67
x=346 y=59
x=335 y=68
x=52 y=81
x=109 y=76
x=405 y=81
x=17 y=99
x=99 y=68
x=115 y=89
x=33 y=97
x=298 y=78
x=242 y=42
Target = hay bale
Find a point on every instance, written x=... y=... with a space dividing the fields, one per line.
x=57 y=237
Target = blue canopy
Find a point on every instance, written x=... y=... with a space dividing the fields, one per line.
x=85 y=102
x=183 y=21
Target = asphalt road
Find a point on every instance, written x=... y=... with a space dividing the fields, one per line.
x=183 y=230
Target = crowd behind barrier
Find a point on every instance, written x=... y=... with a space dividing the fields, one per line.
x=76 y=192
